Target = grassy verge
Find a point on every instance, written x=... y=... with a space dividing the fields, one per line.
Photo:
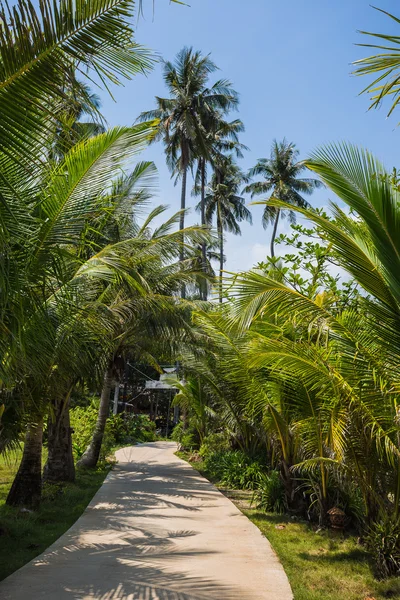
x=320 y=564
x=24 y=535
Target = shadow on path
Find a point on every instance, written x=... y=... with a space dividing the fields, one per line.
x=156 y=530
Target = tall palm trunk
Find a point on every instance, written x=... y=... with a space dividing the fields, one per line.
x=60 y=462
x=203 y=222
x=221 y=255
x=92 y=452
x=273 y=236
x=182 y=222
x=27 y=485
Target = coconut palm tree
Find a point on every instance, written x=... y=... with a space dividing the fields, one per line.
x=222 y=137
x=183 y=116
x=224 y=203
x=280 y=175
x=152 y=308
x=352 y=360
x=42 y=211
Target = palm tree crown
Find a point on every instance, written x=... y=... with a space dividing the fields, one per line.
x=223 y=202
x=280 y=175
x=191 y=110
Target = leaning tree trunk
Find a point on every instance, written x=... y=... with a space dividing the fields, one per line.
x=221 y=256
x=273 y=236
x=60 y=462
x=182 y=223
x=27 y=485
x=203 y=222
x=92 y=452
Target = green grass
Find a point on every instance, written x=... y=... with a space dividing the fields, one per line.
x=320 y=564
x=25 y=535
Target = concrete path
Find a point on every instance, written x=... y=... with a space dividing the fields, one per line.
x=156 y=530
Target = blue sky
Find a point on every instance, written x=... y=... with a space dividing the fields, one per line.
x=290 y=62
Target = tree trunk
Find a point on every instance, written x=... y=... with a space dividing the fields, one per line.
x=203 y=222
x=116 y=398
x=60 y=462
x=273 y=236
x=91 y=455
x=221 y=257
x=27 y=485
x=182 y=223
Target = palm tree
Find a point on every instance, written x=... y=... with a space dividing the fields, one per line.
x=222 y=137
x=152 y=308
x=351 y=362
x=184 y=115
x=280 y=175
x=40 y=218
x=52 y=281
x=223 y=202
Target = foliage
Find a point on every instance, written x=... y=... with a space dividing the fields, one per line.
x=383 y=541
x=223 y=202
x=384 y=67
x=215 y=442
x=319 y=564
x=120 y=429
x=234 y=469
x=309 y=367
x=192 y=396
x=26 y=535
x=83 y=421
x=280 y=175
x=269 y=495
x=309 y=266
x=185 y=436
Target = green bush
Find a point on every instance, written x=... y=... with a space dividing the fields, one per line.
x=215 y=442
x=383 y=542
x=120 y=429
x=137 y=428
x=83 y=421
x=234 y=469
x=186 y=438
x=270 y=493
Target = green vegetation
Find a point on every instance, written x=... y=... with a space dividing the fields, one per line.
x=25 y=534
x=280 y=177
x=322 y=565
x=119 y=430
x=289 y=386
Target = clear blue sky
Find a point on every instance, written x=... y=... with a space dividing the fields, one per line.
x=290 y=63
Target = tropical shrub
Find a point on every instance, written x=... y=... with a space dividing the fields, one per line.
x=383 y=542
x=185 y=437
x=83 y=421
x=215 y=442
x=234 y=469
x=269 y=494
x=138 y=428
x=120 y=429
x=130 y=428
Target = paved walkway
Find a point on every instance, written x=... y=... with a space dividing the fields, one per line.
x=156 y=530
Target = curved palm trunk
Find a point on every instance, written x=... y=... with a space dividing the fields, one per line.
x=182 y=222
x=273 y=236
x=27 y=485
x=91 y=455
x=60 y=462
x=221 y=256
x=203 y=222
